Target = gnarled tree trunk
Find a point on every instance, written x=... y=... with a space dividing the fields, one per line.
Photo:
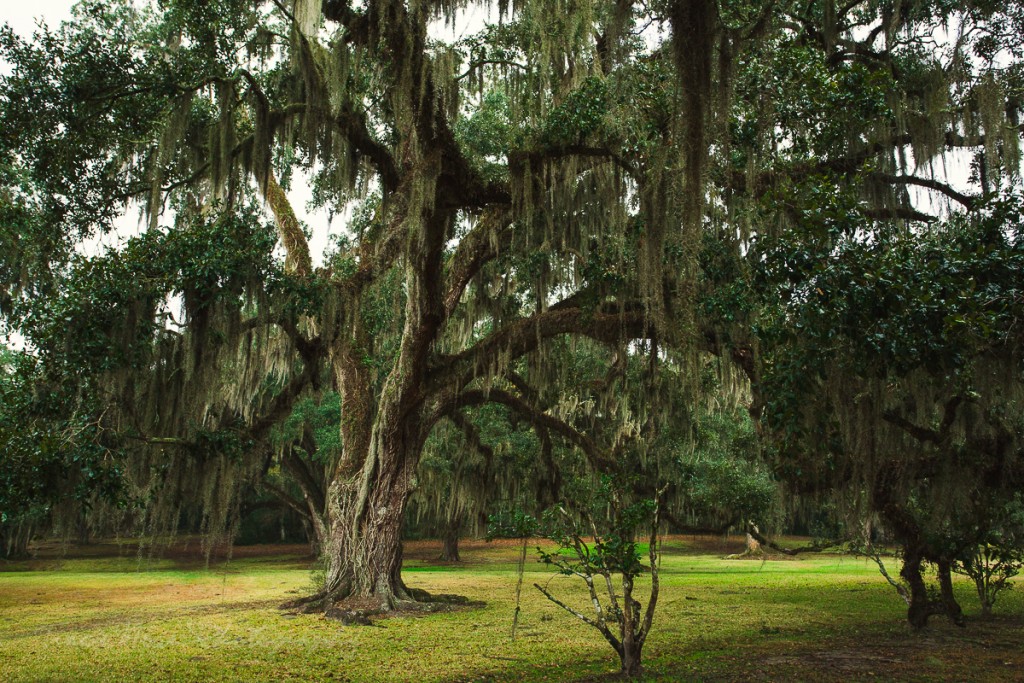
x=919 y=607
x=365 y=512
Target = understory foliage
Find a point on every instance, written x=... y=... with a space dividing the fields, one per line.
x=997 y=552
x=600 y=543
x=56 y=461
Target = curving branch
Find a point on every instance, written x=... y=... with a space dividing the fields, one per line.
x=540 y=419
x=968 y=201
x=472 y=435
x=524 y=335
x=925 y=434
x=482 y=244
x=518 y=160
x=282 y=403
x=297 y=259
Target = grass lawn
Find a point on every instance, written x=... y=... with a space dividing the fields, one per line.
x=102 y=614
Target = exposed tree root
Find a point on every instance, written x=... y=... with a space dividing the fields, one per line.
x=353 y=610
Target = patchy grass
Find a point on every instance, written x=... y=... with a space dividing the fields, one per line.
x=104 y=614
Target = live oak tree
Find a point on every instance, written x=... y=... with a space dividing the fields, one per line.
x=912 y=369
x=498 y=203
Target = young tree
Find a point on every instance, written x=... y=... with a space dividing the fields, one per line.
x=598 y=553
x=997 y=552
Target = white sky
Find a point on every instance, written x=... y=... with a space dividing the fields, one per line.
x=22 y=15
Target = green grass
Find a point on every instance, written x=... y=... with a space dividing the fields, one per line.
x=827 y=616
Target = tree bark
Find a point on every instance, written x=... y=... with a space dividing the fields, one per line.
x=949 y=603
x=630 y=659
x=632 y=643
x=14 y=540
x=753 y=545
x=450 y=547
x=920 y=608
x=366 y=510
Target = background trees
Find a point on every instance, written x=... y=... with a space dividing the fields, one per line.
x=914 y=384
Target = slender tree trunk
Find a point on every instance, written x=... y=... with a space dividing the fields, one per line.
x=981 y=584
x=83 y=529
x=920 y=608
x=15 y=539
x=632 y=646
x=949 y=603
x=450 y=547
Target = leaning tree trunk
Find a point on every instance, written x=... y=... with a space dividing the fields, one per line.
x=919 y=608
x=949 y=603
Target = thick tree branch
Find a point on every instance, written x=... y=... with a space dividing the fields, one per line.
x=924 y=434
x=297 y=259
x=476 y=397
x=479 y=246
x=902 y=213
x=519 y=160
x=284 y=497
x=472 y=435
x=523 y=336
x=281 y=404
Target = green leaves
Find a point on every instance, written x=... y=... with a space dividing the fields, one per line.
x=579 y=117
x=512 y=523
x=52 y=451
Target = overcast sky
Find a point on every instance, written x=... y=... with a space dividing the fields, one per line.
x=22 y=15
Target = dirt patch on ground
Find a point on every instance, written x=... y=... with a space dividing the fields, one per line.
x=984 y=651
x=189 y=552
x=185 y=552
x=481 y=550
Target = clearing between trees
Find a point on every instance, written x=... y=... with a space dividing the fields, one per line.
x=102 y=613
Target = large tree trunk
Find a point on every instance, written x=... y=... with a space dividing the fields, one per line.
x=364 y=549
x=949 y=603
x=382 y=433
